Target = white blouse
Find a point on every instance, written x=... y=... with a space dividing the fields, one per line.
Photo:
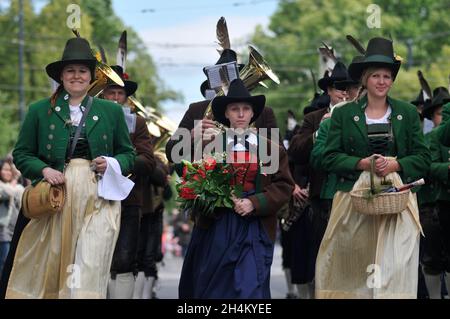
x=382 y=120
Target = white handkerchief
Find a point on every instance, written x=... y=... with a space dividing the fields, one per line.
x=113 y=185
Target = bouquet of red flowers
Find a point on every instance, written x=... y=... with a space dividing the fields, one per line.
x=205 y=185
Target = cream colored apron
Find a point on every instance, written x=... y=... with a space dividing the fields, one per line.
x=68 y=255
x=364 y=256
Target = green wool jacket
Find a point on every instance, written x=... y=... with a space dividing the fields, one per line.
x=347 y=142
x=44 y=136
x=316 y=160
x=440 y=156
x=428 y=193
x=444 y=129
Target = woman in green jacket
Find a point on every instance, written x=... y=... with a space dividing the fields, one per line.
x=366 y=256
x=68 y=254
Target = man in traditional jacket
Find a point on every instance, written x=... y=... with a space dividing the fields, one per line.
x=196 y=111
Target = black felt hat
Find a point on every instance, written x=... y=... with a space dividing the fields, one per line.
x=129 y=86
x=343 y=85
x=237 y=93
x=76 y=51
x=379 y=54
x=419 y=99
x=339 y=73
x=440 y=97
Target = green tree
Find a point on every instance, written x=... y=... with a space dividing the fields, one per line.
x=297 y=29
x=45 y=35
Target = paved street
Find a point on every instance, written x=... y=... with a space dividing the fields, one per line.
x=169 y=273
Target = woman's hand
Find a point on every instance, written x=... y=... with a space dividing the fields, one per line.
x=52 y=176
x=386 y=168
x=100 y=165
x=364 y=164
x=243 y=206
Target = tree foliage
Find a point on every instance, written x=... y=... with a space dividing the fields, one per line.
x=419 y=29
x=46 y=33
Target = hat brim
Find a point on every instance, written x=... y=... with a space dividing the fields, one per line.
x=325 y=83
x=356 y=70
x=54 y=69
x=219 y=106
x=427 y=112
x=343 y=85
x=203 y=87
x=417 y=102
x=130 y=87
x=428 y=109
x=309 y=109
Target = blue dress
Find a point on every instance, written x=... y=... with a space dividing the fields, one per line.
x=230 y=259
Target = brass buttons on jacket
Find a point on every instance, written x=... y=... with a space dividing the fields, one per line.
x=399 y=117
x=95 y=118
x=52 y=126
x=49 y=147
x=57 y=109
x=50 y=136
x=356 y=118
x=105 y=137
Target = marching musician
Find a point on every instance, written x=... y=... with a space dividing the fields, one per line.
x=300 y=150
x=197 y=110
x=121 y=284
x=157 y=190
x=435 y=199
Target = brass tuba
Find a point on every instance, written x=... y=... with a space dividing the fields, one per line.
x=104 y=76
x=136 y=106
x=252 y=74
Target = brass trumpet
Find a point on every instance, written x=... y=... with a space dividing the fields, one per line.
x=252 y=74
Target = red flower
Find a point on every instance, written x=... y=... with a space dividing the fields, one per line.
x=125 y=76
x=201 y=173
x=187 y=193
x=210 y=163
x=185 y=169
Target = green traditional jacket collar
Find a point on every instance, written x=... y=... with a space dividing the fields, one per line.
x=62 y=111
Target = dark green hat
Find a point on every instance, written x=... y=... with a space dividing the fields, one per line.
x=237 y=93
x=76 y=51
x=129 y=86
x=379 y=54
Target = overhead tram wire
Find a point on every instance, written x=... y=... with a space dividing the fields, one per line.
x=190 y=8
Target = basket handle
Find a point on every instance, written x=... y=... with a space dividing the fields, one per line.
x=372 y=171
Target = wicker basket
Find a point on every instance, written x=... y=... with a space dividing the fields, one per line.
x=380 y=204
